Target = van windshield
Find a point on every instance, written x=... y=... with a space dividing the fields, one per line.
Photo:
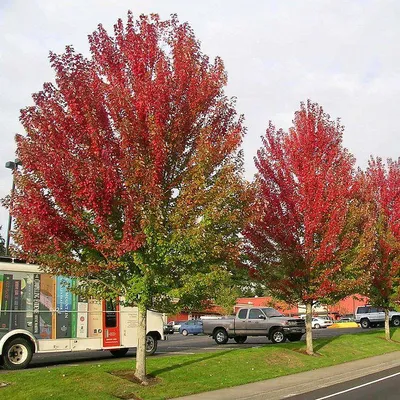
x=271 y=312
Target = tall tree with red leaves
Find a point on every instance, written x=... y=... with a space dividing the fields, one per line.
x=383 y=193
x=299 y=237
x=132 y=172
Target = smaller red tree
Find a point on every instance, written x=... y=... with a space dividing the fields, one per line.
x=300 y=237
x=383 y=183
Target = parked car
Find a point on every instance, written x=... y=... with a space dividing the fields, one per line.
x=318 y=323
x=263 y=321
x=169 y=328
x=326 y=318
x=346 y=319
x=192 y=327
x=176 y=325
x=369 y=316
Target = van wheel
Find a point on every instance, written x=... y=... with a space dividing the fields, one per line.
x=396 y=321
x=277 y=336
x=240 y=339
x=151 y=345
x=17 y=354
x=365 y=324
x=220 y=336
x=119 y=352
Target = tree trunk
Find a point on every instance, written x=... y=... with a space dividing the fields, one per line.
x=387 y=329
x=140 y=371
x=309 y=341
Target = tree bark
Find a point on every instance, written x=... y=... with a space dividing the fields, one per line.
x=309 y=340
x=140 y=371
x=387 y=329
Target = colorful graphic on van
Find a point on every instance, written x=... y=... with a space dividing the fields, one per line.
x=6 y=299
x=47 y=294
x=43 y=305
x=63 y=308
x=82 y=308
x=16 y=301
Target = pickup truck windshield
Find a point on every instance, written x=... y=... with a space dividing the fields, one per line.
x=271 y=312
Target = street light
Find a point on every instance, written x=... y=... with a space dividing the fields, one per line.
x=13 y=165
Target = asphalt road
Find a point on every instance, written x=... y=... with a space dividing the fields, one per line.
x=176 y=344
x=382 y=385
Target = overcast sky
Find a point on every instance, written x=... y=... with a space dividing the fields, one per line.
x=341 y=54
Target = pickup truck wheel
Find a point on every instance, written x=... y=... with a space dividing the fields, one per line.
x=295 y=337
x=365 y=323
x=396 y=321
x=277 y=336
x=240 y=339
x=220 y=336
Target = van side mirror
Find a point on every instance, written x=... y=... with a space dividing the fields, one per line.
x=261 y=316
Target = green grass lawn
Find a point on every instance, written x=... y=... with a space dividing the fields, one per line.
x=183 y=375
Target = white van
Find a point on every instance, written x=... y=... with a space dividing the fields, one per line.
x=39 y=315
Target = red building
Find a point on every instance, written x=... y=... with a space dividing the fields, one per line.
x=344 y=307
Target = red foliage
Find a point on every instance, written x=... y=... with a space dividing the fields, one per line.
x=116 y=135
x=304 y=184
x=383 y=182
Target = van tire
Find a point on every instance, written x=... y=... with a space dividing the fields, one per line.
x=17 y=353
x=220 y=336
x=365 y=324
x=151 y=345
x=119 y=352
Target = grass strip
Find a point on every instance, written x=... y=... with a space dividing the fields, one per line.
x=188 y=374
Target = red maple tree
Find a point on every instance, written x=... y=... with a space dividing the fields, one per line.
x=299 y=232
x=383 y=267
x=132 y=172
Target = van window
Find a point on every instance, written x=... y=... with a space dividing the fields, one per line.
x=242 y=314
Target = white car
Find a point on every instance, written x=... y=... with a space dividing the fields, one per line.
x=318 y=323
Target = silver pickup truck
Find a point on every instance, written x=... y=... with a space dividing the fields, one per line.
x=262 y=321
